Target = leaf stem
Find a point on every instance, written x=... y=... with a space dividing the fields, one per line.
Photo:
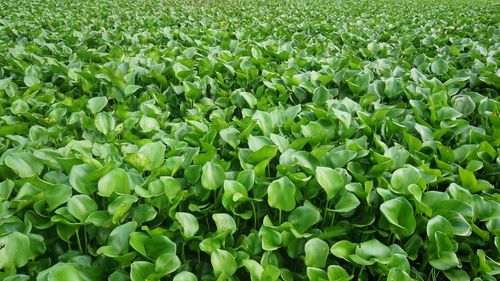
x=79 y=241
x=254 y=215
x=85 y=237
x=325 y=212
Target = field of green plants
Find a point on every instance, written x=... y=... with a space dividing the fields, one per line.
x=250 y=140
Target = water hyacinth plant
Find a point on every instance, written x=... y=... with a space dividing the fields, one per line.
x=249 y=140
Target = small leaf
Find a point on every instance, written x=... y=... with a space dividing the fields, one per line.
x=104 y=122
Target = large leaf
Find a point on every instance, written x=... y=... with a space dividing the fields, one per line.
x=330 y=180
x=399 y=213
x=281 y=194
x=24 y=164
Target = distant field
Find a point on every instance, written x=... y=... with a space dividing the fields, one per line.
x=249 y=140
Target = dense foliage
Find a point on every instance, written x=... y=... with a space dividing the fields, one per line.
x=249 y=140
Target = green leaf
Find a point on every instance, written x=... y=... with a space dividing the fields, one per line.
x=330 y=180
x=320 y=96
x=373 y=249
x=402 y=178
x=115 y=181
x=64 y=271
x=131 y=89
x=19 y=107
x=393 y=87
x=192 y=91
x=281 y=194
x=149 y=124
x=14 y=251
x=119 y=237
x=57 y=195
x=185 y=276
x=304 y=217
x=189 y=224
x=144 y=213
x=343 y=249
x=316 y=251
x=231 y=136
x=97 y=104
x=467 y=179
x=212 y=176
x=32 y=75
x=223 y=263
x=81 y=206
x=24 y=164
x=140 y=270
x=182 y=72
x=398 y=274
x=342 y=157
x=347 y=203
x=225 y=223
x=441 y=224
x=447 y=260
x=149 y=157
x=6 y=188
x=80 y=179
x=316 y=274
x=120 y=206
x=457 y=275
x=254 y=268
x=167 y=263
x=439 y=66
x=399 y=213
x=249 y=98
x=159 y=245
x=338 y=273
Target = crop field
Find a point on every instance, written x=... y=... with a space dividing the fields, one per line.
x=253 y=140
